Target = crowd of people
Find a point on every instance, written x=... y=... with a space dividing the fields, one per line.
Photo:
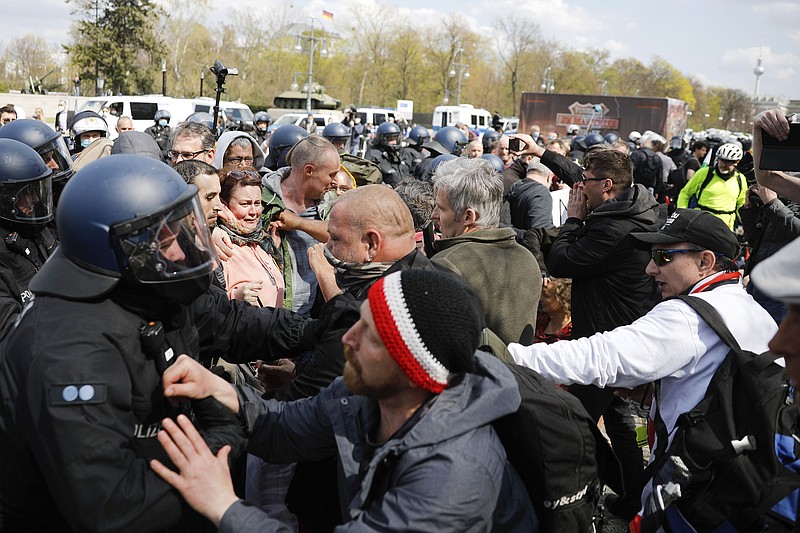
x=257 y=332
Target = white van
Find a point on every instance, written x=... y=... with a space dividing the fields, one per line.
x=376 y=115
x=449 y=115
x=142 y=109
x=237 y=111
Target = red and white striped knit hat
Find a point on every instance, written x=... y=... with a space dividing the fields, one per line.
x=430 y=323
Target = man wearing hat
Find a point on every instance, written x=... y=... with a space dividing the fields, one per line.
x=409 y=421
x=691 y=254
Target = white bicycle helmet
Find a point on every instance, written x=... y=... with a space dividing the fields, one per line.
x=730 y=152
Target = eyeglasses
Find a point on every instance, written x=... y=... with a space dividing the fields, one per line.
x=662 y=257
x=240 y=160
x=185 y=155
x=585 y=178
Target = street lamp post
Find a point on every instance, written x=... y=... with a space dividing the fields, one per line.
x=547 y=81
x=202 y=77
x=463 y=71
x=163 y=77
x=313 y=41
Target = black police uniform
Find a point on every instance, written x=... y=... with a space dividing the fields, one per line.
x=20 y=259
x=393 y=168
x=163 y=137
x=413 y=158
x=82 y=405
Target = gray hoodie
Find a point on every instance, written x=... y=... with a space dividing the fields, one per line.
x=448 y=472
x=137 y=142
x=224 y=142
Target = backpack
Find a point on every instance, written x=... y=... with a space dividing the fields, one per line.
x=365 y=172
x=555 y=447
x=723 y=453
x=694 y=200
x=647 y=168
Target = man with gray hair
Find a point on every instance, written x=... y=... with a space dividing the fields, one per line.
x=469 y=195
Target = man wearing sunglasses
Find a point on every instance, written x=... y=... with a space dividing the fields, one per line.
x=691 y=254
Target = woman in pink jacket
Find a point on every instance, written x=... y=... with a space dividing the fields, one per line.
x=251 y=274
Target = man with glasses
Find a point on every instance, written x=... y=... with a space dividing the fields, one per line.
x=192 y=140
x=691 y=254
x=609 y=285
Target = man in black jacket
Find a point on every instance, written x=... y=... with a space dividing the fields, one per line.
x=609 y=285
x=26 y=207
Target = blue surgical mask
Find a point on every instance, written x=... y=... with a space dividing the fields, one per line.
x=162 y=122
x=85 y=143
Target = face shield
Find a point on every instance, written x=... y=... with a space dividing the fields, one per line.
x=167 y=247
x=29 y=202
x=56 y=157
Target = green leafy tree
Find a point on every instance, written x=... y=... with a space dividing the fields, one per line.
x=116 y=38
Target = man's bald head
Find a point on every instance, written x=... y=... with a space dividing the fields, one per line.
x=377 y=209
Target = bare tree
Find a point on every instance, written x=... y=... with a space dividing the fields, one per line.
x=516 y=38
x=27 y=58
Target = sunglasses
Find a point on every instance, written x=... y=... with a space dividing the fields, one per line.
x=662 y=257
x=585 y=178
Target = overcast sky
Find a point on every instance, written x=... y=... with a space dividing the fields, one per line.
x=718 y=41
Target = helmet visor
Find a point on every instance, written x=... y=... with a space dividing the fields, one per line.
x=29 y=202
x=56 y=157
x=170 y=246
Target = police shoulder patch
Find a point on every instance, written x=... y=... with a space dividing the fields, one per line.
x=77 y=394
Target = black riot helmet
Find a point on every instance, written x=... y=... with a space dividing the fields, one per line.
x=611 y=137
x=418 y=136
x=130 y=219
x=338 y=134
x=46 y=141
x=495 y=161
x=488 y=138
x=280 y=143
x=201 y=117
x=592 y=139
x=386 y=133
x=448 y=140
x=26 y=194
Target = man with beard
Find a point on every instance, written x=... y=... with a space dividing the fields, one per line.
x=409 y=422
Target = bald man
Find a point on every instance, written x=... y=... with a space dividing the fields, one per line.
x=371 y=235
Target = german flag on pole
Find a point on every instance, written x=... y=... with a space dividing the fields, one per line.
x=327 y=15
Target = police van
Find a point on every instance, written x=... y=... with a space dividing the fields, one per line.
x=142 y=109
x=476 y=119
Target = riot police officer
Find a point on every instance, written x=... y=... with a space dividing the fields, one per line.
x=161 y=132
x=262 y=121
x=385 y=152
x=48 y=143
x=412 y=153
x=448 y=140
x=26 y=206
x=124 y=295
x=280 y=142
x=364 y=171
